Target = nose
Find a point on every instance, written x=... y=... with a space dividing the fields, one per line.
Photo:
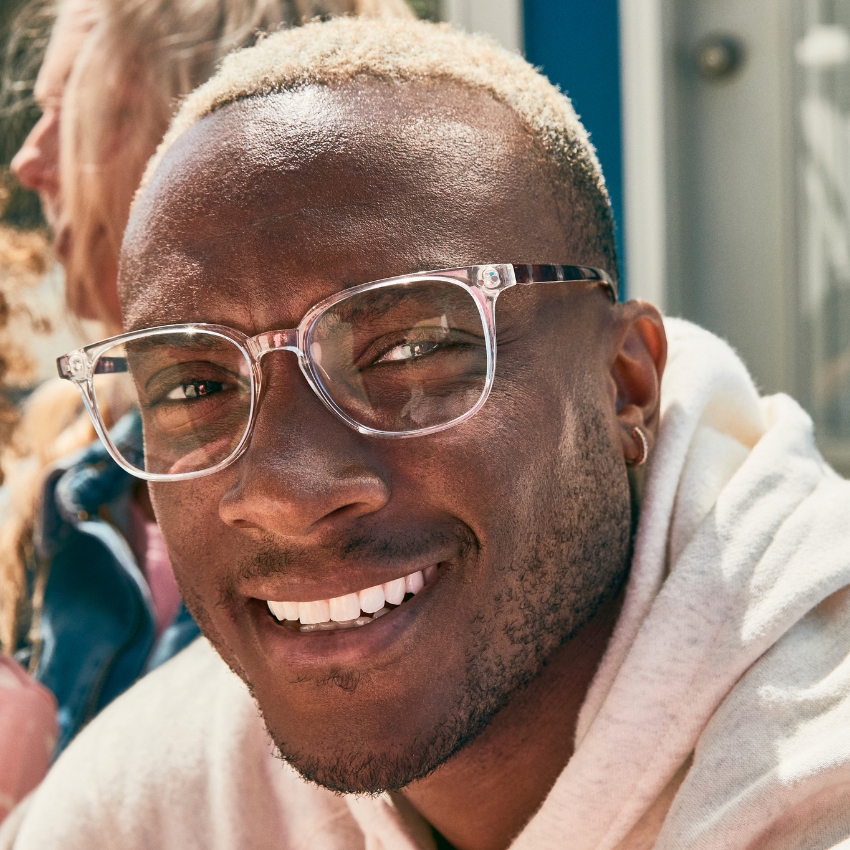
x=304 y=470
x=36 y=164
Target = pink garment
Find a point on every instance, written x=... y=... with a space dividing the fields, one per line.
x=149 y=546
x=28 y=733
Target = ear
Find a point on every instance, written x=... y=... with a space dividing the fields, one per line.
x=639 y=355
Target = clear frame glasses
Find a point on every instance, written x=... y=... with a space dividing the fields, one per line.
x=401 y=357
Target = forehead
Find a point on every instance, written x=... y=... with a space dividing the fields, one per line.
x=273 y=203
x=73 y=24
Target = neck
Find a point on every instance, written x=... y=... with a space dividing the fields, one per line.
x=483 y=796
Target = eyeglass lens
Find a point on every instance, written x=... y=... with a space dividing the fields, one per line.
x=192 y=390
x=399 y=358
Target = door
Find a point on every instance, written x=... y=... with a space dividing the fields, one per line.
x=756 y=151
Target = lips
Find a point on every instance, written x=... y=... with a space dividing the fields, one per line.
x=354 y=609
x=62 y=242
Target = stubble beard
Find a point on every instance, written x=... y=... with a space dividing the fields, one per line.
x=548 y=606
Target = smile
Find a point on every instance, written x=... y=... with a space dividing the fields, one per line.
x=358 y=608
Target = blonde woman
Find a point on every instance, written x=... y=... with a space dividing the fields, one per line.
x=89 y=600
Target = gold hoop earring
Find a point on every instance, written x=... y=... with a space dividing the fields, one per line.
x=644 y=448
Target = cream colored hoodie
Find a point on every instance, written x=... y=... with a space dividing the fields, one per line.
x=719 y=717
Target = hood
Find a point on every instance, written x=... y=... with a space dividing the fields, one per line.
x=734 y=619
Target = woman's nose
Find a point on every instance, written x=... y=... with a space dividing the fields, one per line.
x=36 y=164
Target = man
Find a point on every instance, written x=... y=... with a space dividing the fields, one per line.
x=420 y=562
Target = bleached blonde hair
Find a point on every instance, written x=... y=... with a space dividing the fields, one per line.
x=340 y=51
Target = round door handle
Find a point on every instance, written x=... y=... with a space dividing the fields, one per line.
x=719 y=56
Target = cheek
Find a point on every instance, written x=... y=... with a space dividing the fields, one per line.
x=493 y=471
x=187 y=513
x=508 y=470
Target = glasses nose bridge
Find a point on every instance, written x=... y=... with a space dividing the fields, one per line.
x=282 y=340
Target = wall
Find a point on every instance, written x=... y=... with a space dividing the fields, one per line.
x=577 y=44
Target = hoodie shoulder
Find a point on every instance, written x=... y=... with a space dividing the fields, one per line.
x=150 y=771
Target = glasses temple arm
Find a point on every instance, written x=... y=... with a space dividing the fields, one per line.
x=538 y=273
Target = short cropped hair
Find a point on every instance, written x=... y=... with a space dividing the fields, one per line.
x=346 y=49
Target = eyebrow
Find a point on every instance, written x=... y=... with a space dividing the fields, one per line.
x=346 y=282
x=179 y=340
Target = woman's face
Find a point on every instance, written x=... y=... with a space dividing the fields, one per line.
x=36 y=165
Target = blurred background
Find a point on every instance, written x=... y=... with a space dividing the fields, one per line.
x=34 y=325
x=723 y=127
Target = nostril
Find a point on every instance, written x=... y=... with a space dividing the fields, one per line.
x=354 y=509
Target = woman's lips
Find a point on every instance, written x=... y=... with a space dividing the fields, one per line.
x=62 y=243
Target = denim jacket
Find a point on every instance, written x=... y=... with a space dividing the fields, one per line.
x=97 y=621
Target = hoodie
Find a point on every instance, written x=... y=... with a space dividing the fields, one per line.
x=718 y=719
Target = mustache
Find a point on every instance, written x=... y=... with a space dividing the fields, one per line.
x=274 y=557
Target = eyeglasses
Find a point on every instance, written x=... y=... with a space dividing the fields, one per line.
x=400 y=357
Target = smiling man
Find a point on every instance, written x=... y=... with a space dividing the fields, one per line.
x=395 y=428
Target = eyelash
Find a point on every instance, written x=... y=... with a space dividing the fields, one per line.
x=408 y=345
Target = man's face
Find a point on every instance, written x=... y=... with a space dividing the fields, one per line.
x=520 y=515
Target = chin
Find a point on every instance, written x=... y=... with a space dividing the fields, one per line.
x=354 y=736
x=357 y=745
x=370 y=768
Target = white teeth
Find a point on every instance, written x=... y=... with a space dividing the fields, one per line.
x=345 y=611
x=318 y=627
x=279 y=609
x=414 y=582
x=394 y=591
x=372 y=599
x=314 y=612
x=344 y=608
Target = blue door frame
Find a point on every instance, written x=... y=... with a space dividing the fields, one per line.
x=577 y=44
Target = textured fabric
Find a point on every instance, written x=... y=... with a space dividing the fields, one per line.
x=27 y=733
x=719 y=718
x=99 y=618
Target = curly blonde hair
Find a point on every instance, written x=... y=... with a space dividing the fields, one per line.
x=28 y=438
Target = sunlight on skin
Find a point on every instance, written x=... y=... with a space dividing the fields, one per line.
x=524 y=510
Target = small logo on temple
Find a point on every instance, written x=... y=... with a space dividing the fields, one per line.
x=489 y=278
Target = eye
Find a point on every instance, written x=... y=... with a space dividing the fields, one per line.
x=408 y=351
x=195 y=389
